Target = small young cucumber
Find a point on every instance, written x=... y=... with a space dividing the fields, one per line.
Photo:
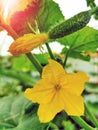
x=71 y=25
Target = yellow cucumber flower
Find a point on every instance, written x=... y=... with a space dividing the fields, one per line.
x=27 y=43
x=57 y=91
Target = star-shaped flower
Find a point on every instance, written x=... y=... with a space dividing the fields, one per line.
x=57 y=91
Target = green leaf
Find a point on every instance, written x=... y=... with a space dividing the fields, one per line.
x=30 y=122
x=85 y=40
x=49 y=15
x=22 y=63
x=42 y=58
x=8 y=85
x=11 y=109
x=76 y=55
x=14 y=114
x=4 y=126
x=21 y=76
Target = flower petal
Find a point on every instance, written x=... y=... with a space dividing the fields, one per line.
x=74 y=105
x=18 y=13
x=41 y=93
x=27 y=43
x=76 y=82
x=25 y=12
x=53 y=72
x=47 y=112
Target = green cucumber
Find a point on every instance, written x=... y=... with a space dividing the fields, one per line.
x=71 y=25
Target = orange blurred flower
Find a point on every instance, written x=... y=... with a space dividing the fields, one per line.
x=18 y=13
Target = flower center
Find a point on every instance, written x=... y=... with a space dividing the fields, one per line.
x=57 y=87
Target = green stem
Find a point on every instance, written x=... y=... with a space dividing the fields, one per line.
x=91 y=3
x=82 y=123
x=94 y=10
x=50 y=52
x=70 y=49
x=65 y=61
x=92 y=117
x=21 y=76
x=35 y=62
x=53 y=126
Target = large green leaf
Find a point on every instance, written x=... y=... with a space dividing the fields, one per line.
x=11 y=109
x=16 y=114
x=22 y=63
x=30 y=122
x=85 y=40
x=77 y=55
x=49 y=15
x=43 y=58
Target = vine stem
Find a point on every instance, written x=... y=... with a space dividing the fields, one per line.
x=94 y=10
x=91 y=116
x=68 y=52
x=65 y=61
x=91 y=3
x=52 y=126
x=82 y=123
x=50 y=52
x=35 y=62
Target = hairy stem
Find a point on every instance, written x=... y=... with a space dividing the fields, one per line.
x=91 y=116
x=82 y=123
x=35 y=62
x=50 y=52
